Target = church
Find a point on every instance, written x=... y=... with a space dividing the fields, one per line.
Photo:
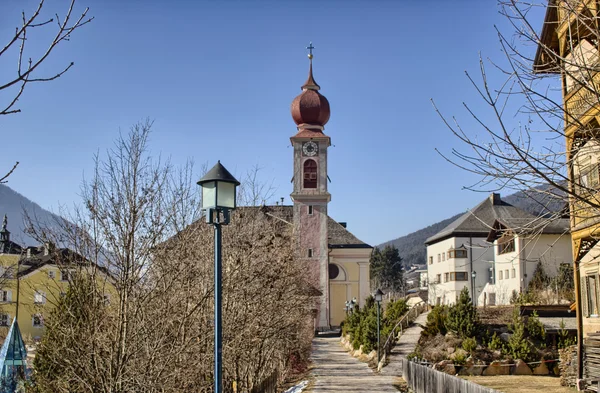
x=340 y=259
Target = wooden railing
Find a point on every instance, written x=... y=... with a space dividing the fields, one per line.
x=404 y=322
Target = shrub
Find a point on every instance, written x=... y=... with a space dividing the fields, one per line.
x=469 y=344
x=564 y=340
x=495 y=343
x=460 y=358
x=394 y=311
x=436 y=321
x=518 y=345
x=535 y=328
x=462 y=317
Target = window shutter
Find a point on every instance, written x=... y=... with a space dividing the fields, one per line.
x=584 y=298
x=9 y=296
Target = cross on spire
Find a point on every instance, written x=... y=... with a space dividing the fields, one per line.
x=310 y=49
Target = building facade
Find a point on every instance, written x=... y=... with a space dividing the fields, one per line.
x=493 y=250
x=518 y=249
x=32 y=280
x=569 y=47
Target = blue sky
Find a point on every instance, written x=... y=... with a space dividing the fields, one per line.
x=218 y=79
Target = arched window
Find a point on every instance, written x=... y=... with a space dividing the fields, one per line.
x=310 y=174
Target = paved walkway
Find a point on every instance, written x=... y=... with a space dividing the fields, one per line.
x=406 y=344
x=336 y=371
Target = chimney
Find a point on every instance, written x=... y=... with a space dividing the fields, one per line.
x=495 y=198
x=48 y=247
x=344 y=224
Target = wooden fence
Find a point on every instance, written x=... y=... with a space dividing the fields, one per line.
x=423 y=379
x=268 y=385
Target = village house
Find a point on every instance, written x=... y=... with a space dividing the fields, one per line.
x=493 y=250
x=519 y=246
x=33 y=279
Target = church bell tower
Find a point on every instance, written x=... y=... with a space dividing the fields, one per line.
x=310 y=111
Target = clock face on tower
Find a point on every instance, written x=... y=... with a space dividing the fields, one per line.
x=310 y=149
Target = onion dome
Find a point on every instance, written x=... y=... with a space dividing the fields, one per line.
x=310 y=108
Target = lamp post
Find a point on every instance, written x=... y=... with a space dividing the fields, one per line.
x=473 y=276
x=218 y=199
x=378 y=298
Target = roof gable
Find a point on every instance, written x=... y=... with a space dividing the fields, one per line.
x=478 y=221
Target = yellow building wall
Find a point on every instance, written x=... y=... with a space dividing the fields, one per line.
x=45 y=280
x=353 y=282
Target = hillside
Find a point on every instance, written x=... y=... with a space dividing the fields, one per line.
x=412 y=248
x=13 y=204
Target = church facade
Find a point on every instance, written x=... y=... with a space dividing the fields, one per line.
x=339 y=260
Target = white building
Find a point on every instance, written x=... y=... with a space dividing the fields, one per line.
x=519 y=246
x=465 y=253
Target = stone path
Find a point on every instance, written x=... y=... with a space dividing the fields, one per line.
x=334 y=370
x=406 y=344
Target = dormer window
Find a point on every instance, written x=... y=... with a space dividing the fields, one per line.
x=310 y=174
x=506 y=244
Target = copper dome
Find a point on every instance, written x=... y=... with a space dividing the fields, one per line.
x=310 y=107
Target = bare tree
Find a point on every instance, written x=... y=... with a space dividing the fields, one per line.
x=523 y=148
x=140 y=222
x=28 y=68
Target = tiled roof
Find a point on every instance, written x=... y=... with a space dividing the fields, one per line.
x=479 y=221
x=339 y=236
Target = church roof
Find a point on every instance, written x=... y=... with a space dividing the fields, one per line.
x=340 y=237
x=478 y=221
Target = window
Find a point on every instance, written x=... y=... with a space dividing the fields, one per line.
x=310 y=252
x=310 y=174
x=38 y=320
x=63 y=294
x=443 y=256
x=492 y=298
x=3 y=319
x=592 y=290
x=506 y=244
x=457 y=254
x=65 y=275
x=106 y=298
x=51 y=274
x=491 y=275
x=500 y=275
x=439 y=257
x=514 y=273
x=446 y=277
x=39 y=297
x=334 y=271
x=461 y=276
x=438 y=279
x=310 y=210
x=6 y=296
x=506 y=273
x=431 y=260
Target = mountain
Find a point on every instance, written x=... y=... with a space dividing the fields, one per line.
x=13 y=205
x=412 y=248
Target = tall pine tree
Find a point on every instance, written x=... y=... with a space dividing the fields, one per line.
x=386 y=269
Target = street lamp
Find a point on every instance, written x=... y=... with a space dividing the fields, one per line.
x=378 y=298
x=474 y=297
x=218 y=199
